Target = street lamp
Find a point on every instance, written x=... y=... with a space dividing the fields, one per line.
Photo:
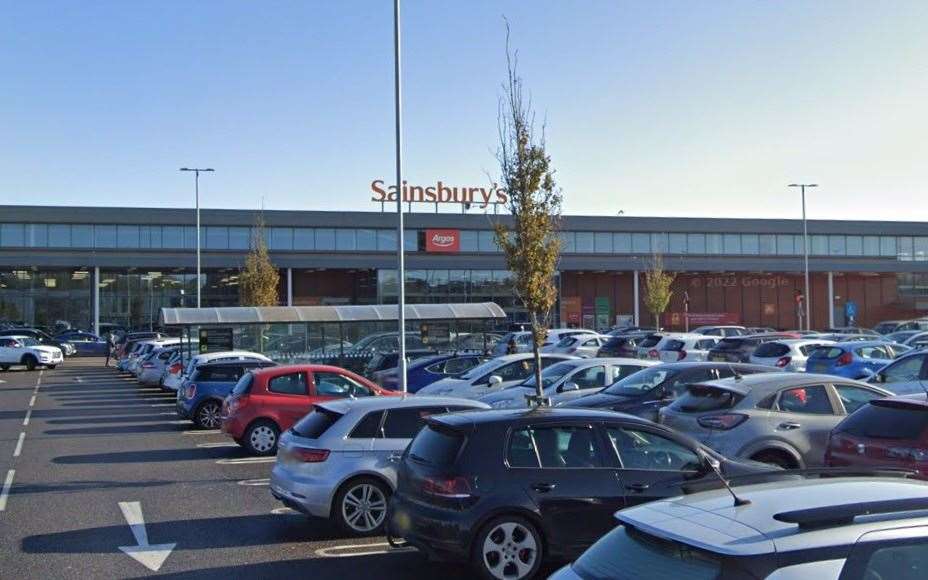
x=805 y=248
x=400 y=262
x=196 y=180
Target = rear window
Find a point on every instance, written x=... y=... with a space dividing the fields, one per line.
x=649 y=341
x=566 y=341
x=886 y=422
x=701 y=398
x=771 y=350
x=316 y=423
x=218 y=374
x=674 y=345
x=243 y=385
x=729 y=344
x=826 y=352
x=436 y=446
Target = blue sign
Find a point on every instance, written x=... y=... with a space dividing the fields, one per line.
x=850 y=309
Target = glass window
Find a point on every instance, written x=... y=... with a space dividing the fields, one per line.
x=714 y=244
x=217 y=237
x=904 y=248
x=750 y=244
x=325 y=239
x=104 y=236
x=837 y=246
x=554 y=448
x=172 y=237
x=640 y=449
x=145 y=236
x=304 y=239
x=808 y=400
x=411 y=241
x=338 y=385
x=659 y=243
x=887 y=246
x=568 y=242
x=602 y=243
x=903 y=561
x=290 y=384
x=767 y=244
x=59 y=236
x=470 y=242
x=589 y=378
x=386 y=240
x=585 y=243
x=921 y=249
x=239 y=238
x=190 y=237
x=37 y=235
x=696 y=243
x=732 y=244
x=81 y=236
x=641 y=243
x=405 y=423
x=368 y=427
x=854 y=398
x=855 y=245
x=367 y=240
x=677 y=244
x=127 y=236
x=486 y=241
x=819 y=245
x=622 y=243
x=281 y=239
x=871 y=245
x=12 y=235
x=785 y=245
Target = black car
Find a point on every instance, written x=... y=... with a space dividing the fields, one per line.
x=740 y=348
x=644 y=393
x=622 y=345
x=507 y=490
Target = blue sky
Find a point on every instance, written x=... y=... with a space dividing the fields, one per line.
x=654 y=108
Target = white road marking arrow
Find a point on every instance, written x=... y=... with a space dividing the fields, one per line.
x=148 y=555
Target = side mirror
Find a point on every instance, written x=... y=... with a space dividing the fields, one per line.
x=568 y=387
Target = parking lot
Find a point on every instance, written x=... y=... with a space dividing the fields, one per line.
x=84 y=452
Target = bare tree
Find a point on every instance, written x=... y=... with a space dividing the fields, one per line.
x=657 y=288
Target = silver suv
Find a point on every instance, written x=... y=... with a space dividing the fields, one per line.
x=826 y=529
x=779 y=418
x=340 y=460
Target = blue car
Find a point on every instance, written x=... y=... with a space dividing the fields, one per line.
x=85 y=343
x=425 y=371
x=858 y=359
x=202 y=395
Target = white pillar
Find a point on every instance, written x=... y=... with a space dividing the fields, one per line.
x=637 y=322
x=289 y=286
x=96 y=300
x=831 y=300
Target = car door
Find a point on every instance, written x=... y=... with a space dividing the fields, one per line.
x=397 y=430
x=8 y=350
x=588 y=380
x=652 y=464
x=563 y=469
x=905 y=376
x=290 y=396
x=803 y=417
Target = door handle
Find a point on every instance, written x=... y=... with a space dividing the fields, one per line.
x=395 y=457
x=637 y=487
x=788 y=426
x=543 y=487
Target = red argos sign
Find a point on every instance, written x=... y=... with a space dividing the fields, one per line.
x=443 y=241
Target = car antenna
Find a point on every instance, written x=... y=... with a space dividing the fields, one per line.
x=714 y=465
x=735 y=373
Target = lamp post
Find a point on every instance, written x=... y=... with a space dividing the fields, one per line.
x=196 y=181
x=401 y=267
x=805 y=248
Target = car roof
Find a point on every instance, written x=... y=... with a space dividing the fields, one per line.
x=235 y=363
x=746 y=383
x=303 y=367
x=343 y=406
x=710 y=520
x=17 y=336
x=469 y=420
x=803 y=341
x=860 y=343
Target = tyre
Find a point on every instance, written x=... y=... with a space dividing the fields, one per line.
x=778 y=458
x=261 y=438
x=208 y=415
x=4 y=367
x=508 y=547
x=52 y=367
x=360 y=506
x=30 y=362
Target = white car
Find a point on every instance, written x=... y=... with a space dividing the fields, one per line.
x=491 y=376
x=683 y=348
x=523 y=339
x=140 y=354
x=582 y=345
x=787 y=354
x=27 y=351
x=721 y=331
x=175 y=381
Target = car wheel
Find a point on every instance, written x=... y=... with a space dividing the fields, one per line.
x=4 y=367
x=778 y=458
x=208 y=415
x=261 y=438
x=361 y=506
x=51 y=367
x=508 y=548
x=30 y=362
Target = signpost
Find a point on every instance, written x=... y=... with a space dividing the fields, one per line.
x=216 y=340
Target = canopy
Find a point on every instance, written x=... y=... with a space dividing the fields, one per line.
x=322 y=314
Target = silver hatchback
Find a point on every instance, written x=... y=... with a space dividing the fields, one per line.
x=340 y=460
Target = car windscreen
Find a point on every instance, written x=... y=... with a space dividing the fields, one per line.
x=482 y=369
x=702 y=398
x=316 y=423
x=640 y=382
x=550 y=375
x=626 y=554
x=436 y=446
x=243 y=385
x=771 y=350
x=650 y=340
x=886 y=422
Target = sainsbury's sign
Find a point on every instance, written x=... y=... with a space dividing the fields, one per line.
x=440 y=193
x=448 y=241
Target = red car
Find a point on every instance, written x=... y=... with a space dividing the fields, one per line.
x=267 y=401
x=891 y=432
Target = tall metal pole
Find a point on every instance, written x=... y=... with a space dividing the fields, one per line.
x=401 y=267
x=805 y=250
x=196 y=180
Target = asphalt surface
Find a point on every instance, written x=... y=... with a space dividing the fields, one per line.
x=79 y=440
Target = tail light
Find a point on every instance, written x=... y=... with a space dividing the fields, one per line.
x=783 y=361
x=681 y=355
x=236 y=403
x=309 y=455
x=722 y=422
x=447 y=487
x=191 y=391
x=653 y=353
x=175 y=368
x=844 y=359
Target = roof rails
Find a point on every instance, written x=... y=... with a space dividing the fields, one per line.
x=833 y=516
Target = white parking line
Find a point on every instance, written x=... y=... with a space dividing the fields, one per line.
x=181 y=422
x=32 y=401
x=327 y=552
x=19 y=444
x=163 y=404
x=255 y=482
x=246 y=460
x=217 y=444
x=27 y=417
x=205 y=432
x=6 y=488
x=284 y=511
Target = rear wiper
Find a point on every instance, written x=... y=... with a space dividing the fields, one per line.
x=418 y=458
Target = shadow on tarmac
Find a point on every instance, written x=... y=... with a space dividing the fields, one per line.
x=153 y=456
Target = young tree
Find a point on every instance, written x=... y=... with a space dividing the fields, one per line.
x=258 y=280
x=531 y=246
x=657 y=288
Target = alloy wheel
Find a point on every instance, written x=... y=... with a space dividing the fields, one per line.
x=509 y=551
x=364 y=508
x=210 y=415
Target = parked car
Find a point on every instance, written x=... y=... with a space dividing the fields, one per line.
x=176 y=381
x=854 y=360
x=862 y=528
x=740 y=348
x=340 y=460
x=508 y=490
x=152 y=367
x=683 y=348
x=781 y=418
x=788 y=354
x=202 y=396
x=894 y=326
x=730 y=330
x=388 y=360
x=42 y=337
x=760 y=330
x=621 y=345
x=266 y=402
x=424 y=371
x=646 y=344
x=905 y=376
x=85 y=343
x=523 y=339
x=26 y=351
x=568 y=380
x=141 y=353
x=620 y=330
x=644 y=393
x=360 y=353
x=125 y=343
x=494 y=375
x=901 y=336
x=582 y=345
x=479 y=342
x=917 y=340
x=852 y=330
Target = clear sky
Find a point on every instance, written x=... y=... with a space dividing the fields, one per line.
x=655 y=108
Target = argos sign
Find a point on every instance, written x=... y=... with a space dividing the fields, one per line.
x=443 y=241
